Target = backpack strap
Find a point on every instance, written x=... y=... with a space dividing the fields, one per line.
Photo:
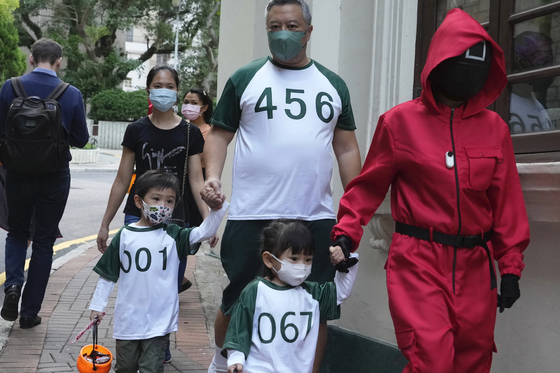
x=18 y=87
x=58 y=91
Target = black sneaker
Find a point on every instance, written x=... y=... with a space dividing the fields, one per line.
x=187 y=285
x=167 y=358
x=29 y=322
x=11 y=301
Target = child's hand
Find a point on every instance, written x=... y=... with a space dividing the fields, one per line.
x=235 y=368
x=214 y=241
x=336 y=254
x=344 y=244
x=213 y=199
x=218 y=202
x=98 y=314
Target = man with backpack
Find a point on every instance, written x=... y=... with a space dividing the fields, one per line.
x=39 y=119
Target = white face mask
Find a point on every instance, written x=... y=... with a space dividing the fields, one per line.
x=156 y=213
x=292 y=274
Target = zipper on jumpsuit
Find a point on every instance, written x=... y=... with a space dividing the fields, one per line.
x=457 y=189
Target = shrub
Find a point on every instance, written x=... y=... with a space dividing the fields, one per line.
x=117 y=105
x=12 y=60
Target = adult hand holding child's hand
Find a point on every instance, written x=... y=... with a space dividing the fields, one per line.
x=343 y=244
x=212 y=195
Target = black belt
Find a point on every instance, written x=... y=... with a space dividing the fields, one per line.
x=469 y=242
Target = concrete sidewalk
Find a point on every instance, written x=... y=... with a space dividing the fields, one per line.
x=47 y=348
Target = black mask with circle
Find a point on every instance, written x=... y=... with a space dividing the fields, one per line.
x=460 y=78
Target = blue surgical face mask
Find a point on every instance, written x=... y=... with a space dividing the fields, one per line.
x=284 y=44
x=163 y=99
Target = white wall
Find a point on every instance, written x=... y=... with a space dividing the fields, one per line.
x=242 y=40
x=528 y=335
x=370 y=44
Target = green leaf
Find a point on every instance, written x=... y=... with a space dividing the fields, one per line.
x=91 y=33
x=12 y=60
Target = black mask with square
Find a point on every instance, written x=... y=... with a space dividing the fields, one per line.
x=460 y=78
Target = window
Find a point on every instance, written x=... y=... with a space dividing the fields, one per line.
x=130 y=34
x=127 y=83
x=163 y=58
x=529 y=33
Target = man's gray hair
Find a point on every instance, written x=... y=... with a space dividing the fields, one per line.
x=304 y=8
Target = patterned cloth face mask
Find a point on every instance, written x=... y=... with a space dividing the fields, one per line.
x=156 y=214
x=292 y=274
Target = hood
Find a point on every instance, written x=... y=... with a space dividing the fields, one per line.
x=457 y=33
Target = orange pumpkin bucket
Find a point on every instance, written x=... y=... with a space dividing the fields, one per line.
x=94 y=358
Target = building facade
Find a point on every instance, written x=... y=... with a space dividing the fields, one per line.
x=133 y=41
x=379 y=47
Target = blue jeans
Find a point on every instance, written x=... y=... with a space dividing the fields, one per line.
x=46 y=196
x=128 y=219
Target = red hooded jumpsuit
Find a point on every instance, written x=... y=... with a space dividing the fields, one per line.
x=440 y=297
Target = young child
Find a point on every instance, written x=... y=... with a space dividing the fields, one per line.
x=144 y=257
x=275 y=322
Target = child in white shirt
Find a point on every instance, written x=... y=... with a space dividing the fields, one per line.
x=144 y=257
x=275 y=322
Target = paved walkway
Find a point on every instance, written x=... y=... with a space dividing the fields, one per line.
x=47 y=348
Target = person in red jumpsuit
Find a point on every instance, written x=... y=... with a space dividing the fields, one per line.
x=457 y=202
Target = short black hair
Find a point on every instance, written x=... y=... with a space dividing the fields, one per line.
x=156 y=179
x=206 y=100
x=156 y=69
x=284 y=234
x=46 y=50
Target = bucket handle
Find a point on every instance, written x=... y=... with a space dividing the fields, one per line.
x=93 y=353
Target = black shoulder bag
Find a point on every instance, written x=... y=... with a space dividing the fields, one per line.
x=181 y=210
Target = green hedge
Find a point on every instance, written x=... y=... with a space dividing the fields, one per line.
x=119 y=106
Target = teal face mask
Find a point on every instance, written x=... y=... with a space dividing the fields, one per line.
x=285 y=44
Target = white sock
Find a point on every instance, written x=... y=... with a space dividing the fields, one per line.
x=219 y=363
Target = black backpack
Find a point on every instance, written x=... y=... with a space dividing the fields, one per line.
x=35 y=140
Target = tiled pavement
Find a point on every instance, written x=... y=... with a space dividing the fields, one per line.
x=47 y=348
